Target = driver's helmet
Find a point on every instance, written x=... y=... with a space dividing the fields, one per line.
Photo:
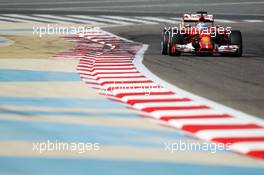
x=201 y=26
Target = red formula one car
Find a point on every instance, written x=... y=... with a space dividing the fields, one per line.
x=198 y=35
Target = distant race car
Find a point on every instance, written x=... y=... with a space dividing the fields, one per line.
x=198 y=35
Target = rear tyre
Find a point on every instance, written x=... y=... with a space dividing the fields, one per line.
x=174 y=41
x=235 y=38
x=164 y=42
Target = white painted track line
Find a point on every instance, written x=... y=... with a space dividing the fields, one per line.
x=165 y=104
x=130 y=19
x=16 y=19
x=179 y=123
x=179 y=113
x=160 y=20
x=58 y=18
x=253 y=20
x=86 y=20
x=32 y=18
x=210 y=134
x=224 y=21
x=103 y=19
x=246 y=147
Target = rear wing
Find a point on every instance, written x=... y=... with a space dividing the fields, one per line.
x=196 y=17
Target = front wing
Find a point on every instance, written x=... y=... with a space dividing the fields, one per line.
x=188 y=48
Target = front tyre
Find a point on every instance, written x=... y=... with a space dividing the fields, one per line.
x=235 y=38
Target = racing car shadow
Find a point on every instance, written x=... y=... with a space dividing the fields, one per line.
x=207 y=56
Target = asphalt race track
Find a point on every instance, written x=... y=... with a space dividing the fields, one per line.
x=235 y=82
x=48 y=94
